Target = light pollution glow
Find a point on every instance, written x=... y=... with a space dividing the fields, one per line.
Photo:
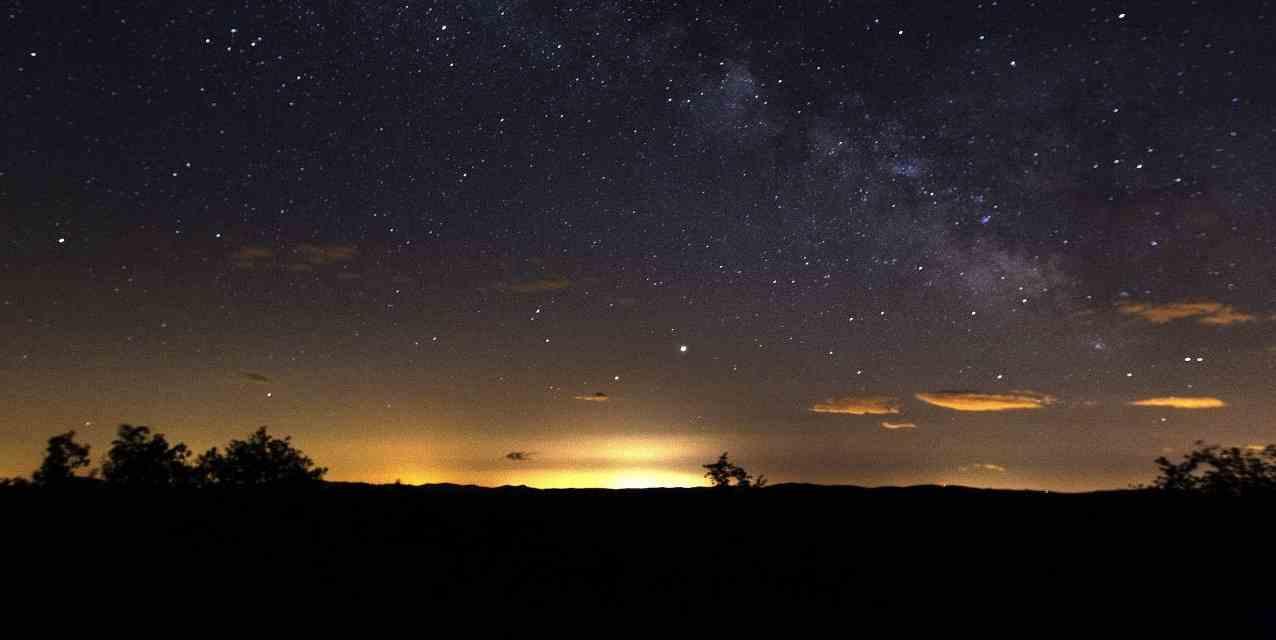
x=615 y=462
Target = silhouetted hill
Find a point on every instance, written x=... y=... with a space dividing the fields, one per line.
x=783 y=547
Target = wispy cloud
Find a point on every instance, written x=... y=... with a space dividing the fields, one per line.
x=1181 y=402
x=538 y=285
x=255 y=378
x=302 y=258
x=982 y=467
x=250 y=256
x=322 y=254
x=859 y=405
x=1205 y=312
x=594 y=397
x=976 y=401
x=253 y=252
x=519 y=456
x=887 y=424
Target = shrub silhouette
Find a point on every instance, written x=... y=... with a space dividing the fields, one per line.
x=722 y=473
x=259 y=460
x=139 y=459
x=62 y=457
x=1215 y=470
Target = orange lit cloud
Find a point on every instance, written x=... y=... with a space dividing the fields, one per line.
x=975 y=401
x=1228 y=316
x=887 y=424
x=1206 y=312
x=1181 y=402
x=859 y=406
x=595 y=397
x=983 y=467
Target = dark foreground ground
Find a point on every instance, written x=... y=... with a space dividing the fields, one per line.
x=1154 y=561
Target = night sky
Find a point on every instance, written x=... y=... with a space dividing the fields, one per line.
x=597 y=244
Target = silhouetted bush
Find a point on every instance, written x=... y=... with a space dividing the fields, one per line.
x=62 y=457
x=139 y=459
x=259 y=460
x=1215 y=470
x=723 y=473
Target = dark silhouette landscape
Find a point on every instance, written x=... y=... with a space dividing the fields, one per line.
x=288 y=536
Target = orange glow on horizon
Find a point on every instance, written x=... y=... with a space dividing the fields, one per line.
x=641 y=477
x=610 y=462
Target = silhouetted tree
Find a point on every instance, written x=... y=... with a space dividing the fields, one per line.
x=62 y=457
x=14 y=483
x=139 y=459
x=1215 y=470
x=723 y=472
x=259 y=460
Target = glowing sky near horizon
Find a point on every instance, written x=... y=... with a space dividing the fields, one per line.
x=887 y=243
